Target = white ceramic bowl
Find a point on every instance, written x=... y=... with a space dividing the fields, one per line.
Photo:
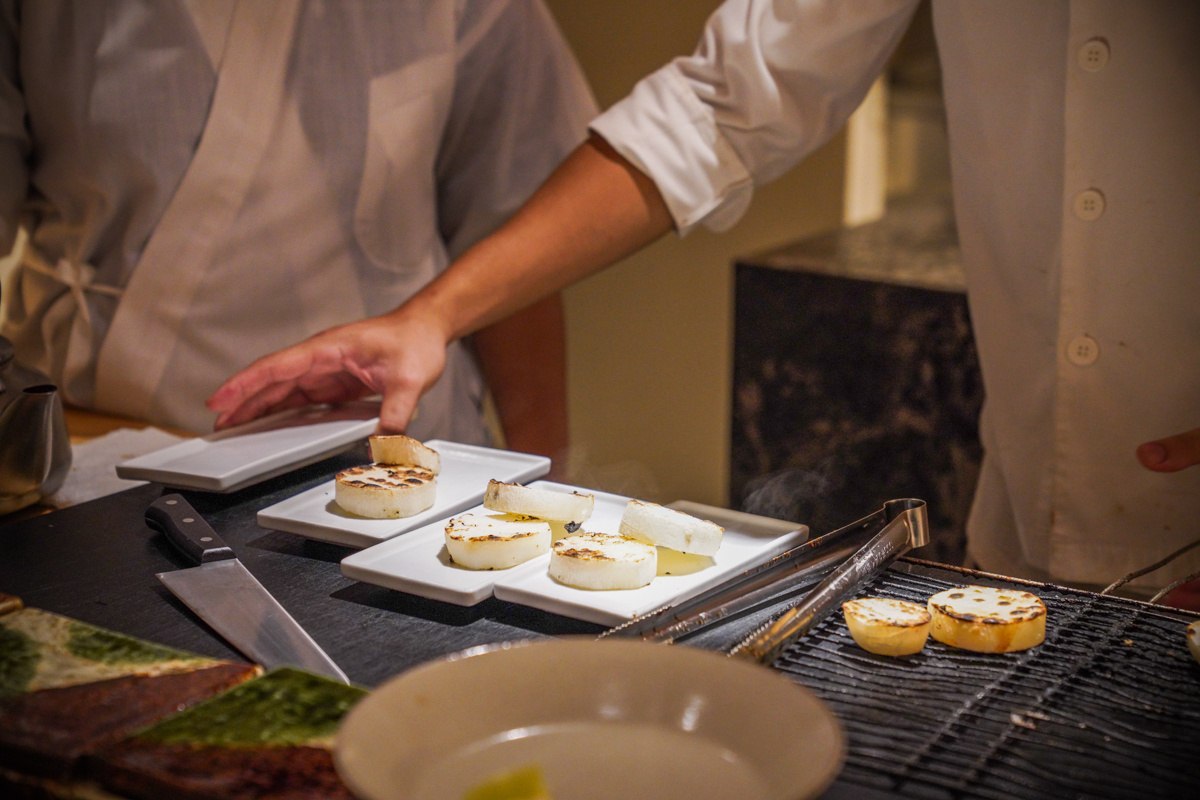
x=600 y=719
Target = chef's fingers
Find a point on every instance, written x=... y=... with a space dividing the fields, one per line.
x=1172 y=453
x=256 y=389
x=395 y=355
x=409 y=373
x=274 y=398
x=270 y=398
x=309 y=389
x=397 y=410
x=337 y=387
x=294 y=400
x=323 y=389
x=281 y=368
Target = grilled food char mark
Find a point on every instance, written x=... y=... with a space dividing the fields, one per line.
x=396 y=477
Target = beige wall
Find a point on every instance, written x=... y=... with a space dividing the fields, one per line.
x=650 y=344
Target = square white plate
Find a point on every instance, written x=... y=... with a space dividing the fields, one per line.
x=417 y=563
x=248 y=454
x=466 y=470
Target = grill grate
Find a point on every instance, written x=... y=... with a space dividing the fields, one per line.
x=1108 y=706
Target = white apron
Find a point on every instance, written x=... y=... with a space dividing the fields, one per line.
x=218 y=181
x=248 y=102
x=178 y=298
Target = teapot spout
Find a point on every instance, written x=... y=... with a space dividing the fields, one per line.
x=35 y=449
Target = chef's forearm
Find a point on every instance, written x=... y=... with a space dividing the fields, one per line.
x=595 y=209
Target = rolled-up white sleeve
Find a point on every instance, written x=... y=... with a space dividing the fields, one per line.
x=14 y=135
x=770 y=82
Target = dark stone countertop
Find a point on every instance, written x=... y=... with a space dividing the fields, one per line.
x=914 y=244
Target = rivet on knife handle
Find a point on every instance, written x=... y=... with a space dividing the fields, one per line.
x=908 y=528
x=187 y=530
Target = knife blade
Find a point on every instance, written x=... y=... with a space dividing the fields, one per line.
x=223 y=593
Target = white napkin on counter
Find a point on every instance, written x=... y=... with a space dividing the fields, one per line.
x=93 y=464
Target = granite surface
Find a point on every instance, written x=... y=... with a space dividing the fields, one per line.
x=915 y=244
x=856 y=379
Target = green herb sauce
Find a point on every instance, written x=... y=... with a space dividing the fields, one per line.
x=284 y=707
x=106 y=647
x=19 y=658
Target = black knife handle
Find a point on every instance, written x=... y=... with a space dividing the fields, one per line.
x=187 y=530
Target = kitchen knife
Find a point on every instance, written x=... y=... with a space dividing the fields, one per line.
x=223 y=593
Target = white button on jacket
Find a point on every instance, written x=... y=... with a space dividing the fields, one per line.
x=1093 y=56
x=1089 y=205
x=1083 y=351
x=1075 y=148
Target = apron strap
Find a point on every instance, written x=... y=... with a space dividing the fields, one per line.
x=68 y=318
x=246 y=105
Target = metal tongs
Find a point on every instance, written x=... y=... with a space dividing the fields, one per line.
x=864 y=548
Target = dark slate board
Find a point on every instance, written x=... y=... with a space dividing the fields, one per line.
x=96 y=562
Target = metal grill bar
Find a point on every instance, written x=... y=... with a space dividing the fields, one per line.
x=1108 y=706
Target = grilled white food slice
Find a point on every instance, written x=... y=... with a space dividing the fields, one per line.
x=1193 y=637
x=666 y=527
x=380 y=491
x=511 y=498
x=602 y=561
x=401 y=450
x=480 y=541
x=886 y=626
x=988 y=620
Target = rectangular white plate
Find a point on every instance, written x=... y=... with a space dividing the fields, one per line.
x=417 y=563
x=466 y=470
x=248 y=454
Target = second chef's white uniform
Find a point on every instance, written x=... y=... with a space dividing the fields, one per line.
x=1075 y=149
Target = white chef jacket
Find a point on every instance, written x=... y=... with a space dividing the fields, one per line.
x=1075 y=155
x=207 y=181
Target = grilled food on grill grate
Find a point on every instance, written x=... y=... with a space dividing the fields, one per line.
x=1108 y=706
x=988 y=620
x=886 y=626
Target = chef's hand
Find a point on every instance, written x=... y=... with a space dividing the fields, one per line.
x=398 y=355
x=1171 y=454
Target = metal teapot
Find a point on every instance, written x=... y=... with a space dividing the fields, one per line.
x=35 y=449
